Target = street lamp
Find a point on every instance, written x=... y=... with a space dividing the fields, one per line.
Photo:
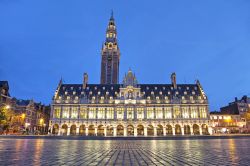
x=23 y=115
x=7 y=106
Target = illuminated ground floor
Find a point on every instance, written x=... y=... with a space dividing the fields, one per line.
x=130 y=128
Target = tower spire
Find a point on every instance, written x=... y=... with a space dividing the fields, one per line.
x=112 y=15
x=110 y=55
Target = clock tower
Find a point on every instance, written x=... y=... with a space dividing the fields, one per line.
x=110 y=55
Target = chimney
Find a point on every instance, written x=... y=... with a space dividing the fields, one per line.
x=85 y=80
x=173 y=80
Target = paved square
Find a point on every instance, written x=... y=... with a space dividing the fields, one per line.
x=124 y=152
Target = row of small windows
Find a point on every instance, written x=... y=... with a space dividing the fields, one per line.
x=112 y=88
x=129 y=113
x=152 y=93
x=148 y=98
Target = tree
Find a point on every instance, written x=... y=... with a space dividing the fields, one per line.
x=2 y=115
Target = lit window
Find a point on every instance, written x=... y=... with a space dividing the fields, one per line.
x=150 y=113
x=177 y=112
x=203 y=112
x=159 y=113
x=74 y=112
x=168 y=112
x=185 y=112
x=120 y=113
x=83 y=113
x=101 y=113
x=92 y=113
x=57 y=112
x=194 y=112
x=65 y=113
x=110 y=113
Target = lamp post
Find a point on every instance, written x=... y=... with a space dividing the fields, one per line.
x=41 y=121
x=22 y=120
x=26 y=126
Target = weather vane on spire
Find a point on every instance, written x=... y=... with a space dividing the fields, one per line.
x=112 y=14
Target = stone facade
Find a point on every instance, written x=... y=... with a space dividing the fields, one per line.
x=227 y=123
x=129 y=108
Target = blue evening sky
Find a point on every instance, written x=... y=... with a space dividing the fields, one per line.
x=44 y=40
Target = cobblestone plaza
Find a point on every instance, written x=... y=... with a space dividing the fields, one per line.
x=124 y=152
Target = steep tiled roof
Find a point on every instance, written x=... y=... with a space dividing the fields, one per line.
x=183 y=91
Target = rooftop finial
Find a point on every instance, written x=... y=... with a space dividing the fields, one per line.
x=112 y=15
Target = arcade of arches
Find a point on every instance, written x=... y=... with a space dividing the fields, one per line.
x=130 y=130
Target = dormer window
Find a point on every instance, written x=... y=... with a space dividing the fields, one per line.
x=172 y=88
x=193 y=92
x=152 y=92
x=195 y=88
x=80 y=88
x=160 y=92
x=187 y=88
x=155 y=88
x=185 y=93
x=87 y=88
x=176 y=93
x=107 y=93
x=65 y=92
x=74 y=92
x=164 y=88
x=95 y=88
x=71 y=88
x=147 y=88
x=168 y=92
x=99 y=92
x=112 y=87
x=103 y=88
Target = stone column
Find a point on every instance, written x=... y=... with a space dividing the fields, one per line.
x=164 y=131
x=77 y=130
x=173 y=129
x=135 y=131
x=191 y=130
x=125 y=131
x=87 y=131
x=68 y=131
x=155 y=131
x=59 y=131
x=145 y=131
x=210 y=130
x=115 y=131
x=95 y=131
x=200 y=129
x=182 y=130
x=105 y=131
